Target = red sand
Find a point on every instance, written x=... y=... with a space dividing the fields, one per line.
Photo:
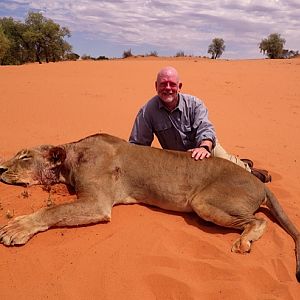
x=146 y=253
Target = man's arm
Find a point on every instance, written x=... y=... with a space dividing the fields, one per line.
x=205 y=133
x=141 y=133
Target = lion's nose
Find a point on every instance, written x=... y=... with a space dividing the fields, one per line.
x=2 y=169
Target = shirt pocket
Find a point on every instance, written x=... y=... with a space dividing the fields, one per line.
x=163 y=126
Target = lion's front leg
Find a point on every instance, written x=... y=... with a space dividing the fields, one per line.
x=81 y=212
x=21 y=229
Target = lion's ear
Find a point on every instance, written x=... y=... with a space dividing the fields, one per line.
x=56 y=156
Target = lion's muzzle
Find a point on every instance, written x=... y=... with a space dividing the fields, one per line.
x=2 y=170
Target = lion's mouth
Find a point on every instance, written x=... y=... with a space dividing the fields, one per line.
x=9 y=178
x=2 y=171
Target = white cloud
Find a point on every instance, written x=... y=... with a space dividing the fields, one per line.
x=172 y=25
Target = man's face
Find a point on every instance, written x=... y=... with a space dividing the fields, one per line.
x=168 y=87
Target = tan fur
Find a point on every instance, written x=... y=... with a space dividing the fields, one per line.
x=105 y=170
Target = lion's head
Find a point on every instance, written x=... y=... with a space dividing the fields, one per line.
x=33 y=166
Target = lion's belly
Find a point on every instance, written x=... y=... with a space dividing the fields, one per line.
x=174 y=203
x=164 y=190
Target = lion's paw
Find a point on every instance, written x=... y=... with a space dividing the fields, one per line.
x=241 y=246
x=17 y=231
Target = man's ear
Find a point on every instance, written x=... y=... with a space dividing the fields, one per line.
x=56 y=156
x=180 y=85
x=156 y=85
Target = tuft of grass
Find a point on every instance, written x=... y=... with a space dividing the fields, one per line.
x=9 y=214
x=180 y=54
x=152 y=53
x=25 y=194
x=127 y=53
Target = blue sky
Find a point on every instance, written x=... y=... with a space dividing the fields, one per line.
x=110 y=27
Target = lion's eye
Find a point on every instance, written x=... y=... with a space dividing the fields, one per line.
x=24 y=156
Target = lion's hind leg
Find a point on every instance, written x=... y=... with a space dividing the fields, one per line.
x=229 y=216
x=252 y=232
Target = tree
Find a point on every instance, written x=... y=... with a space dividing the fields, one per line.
x=38 y=39
x=216 y=48
x=4 y=44
x=272 y=46
x=19 y=51
x=46 y=37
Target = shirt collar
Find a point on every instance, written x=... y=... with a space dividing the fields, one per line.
x=179 y=105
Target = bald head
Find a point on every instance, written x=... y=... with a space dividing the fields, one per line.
x=168 y=71
x=168 y=86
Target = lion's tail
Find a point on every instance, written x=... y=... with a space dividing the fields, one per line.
x=285 y=222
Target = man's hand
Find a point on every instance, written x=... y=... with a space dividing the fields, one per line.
x=199 y=153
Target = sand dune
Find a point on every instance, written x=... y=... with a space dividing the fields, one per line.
x=146 y=253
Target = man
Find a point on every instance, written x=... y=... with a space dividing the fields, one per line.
x=180 y=122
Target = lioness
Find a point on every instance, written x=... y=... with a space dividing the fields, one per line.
x=105 y=170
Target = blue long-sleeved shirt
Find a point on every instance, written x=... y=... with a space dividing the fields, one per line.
x=181 y=129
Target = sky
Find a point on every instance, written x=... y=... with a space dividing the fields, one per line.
x=111 y=27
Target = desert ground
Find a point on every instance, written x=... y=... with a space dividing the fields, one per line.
x=147 y=253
